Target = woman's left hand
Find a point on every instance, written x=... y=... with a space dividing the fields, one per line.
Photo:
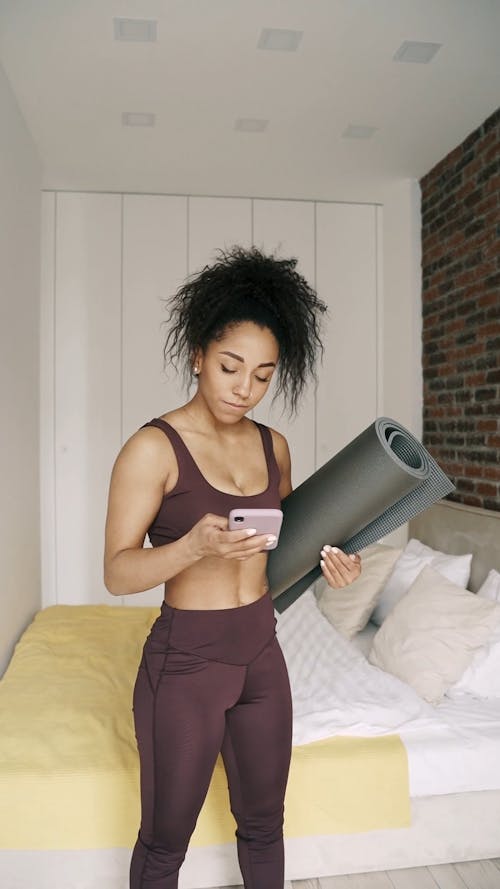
x=339 y=569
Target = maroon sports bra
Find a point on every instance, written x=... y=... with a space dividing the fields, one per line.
x=192 y=497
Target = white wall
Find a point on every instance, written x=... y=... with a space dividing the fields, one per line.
x=20 y=182
x=114 y=257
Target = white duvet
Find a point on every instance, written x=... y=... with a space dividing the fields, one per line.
x=452 y=747
x=334 y=688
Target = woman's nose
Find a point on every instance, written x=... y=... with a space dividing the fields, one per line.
x=243 y=387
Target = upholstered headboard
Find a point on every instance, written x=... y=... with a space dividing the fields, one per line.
x=455 y=528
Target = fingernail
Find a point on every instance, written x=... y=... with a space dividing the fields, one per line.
x=334 y=549
x=271 y=538
x=323 y=553
x=327 y=548
x=251 y=531
x=322 y=563
x=352 y=557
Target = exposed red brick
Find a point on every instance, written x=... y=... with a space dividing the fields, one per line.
x=473 y=471
x=489 y=299
x=471 y=501
x=489 y=203
x=493 y=184
x=492 y=472
x=455 y=468
x=472 y=169
x=467 y=188
x=474 y=349
x=475 y=379
x=486 y=490
x=437 y=278
x=488 y=329
x=474 y=274
x=487 y=425
x=456 y=324
x=488 y=146
x=455 y=241
x=491 y=218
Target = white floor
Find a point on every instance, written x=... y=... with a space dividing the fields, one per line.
x=466 y=875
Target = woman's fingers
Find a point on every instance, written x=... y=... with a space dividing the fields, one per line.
x=210 y=537
x=339 y=568
x=331 y=574
x=246 y=549
x=233 y=544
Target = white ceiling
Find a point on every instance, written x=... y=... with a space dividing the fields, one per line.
x=73 y=81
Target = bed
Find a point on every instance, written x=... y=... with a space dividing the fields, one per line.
x=381 y=778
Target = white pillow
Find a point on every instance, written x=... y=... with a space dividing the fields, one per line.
x=349 y=608
x=490 y=588
x=415 y=556
x=431 y=635
x=482 y=677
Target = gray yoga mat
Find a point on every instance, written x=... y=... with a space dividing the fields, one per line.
x=374 y=485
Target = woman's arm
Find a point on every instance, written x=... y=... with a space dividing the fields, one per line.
x=136 y=490
x=138 y=481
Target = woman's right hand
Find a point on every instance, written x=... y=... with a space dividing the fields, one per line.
x=210 y=537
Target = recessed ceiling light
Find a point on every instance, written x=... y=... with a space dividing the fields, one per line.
x=414 y=51
x=279 y=39
x=358 y=131
x=138 y=119
x=138 y=30
x=251 y=125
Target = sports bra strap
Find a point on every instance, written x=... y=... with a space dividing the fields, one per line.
x=185 y=458
x=267 y=440
x=182 y=453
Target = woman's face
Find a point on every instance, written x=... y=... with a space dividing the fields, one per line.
x=236 y=370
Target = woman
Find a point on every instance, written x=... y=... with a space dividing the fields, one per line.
x=212 y=677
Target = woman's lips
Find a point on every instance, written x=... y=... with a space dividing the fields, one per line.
x=236 y=406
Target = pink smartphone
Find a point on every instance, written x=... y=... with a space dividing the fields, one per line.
x=265 y=521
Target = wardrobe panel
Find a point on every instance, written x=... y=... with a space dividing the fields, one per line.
x=154 y=266
x=217 y=223
x=347 y=281
x=87 y=387
x=286 y=229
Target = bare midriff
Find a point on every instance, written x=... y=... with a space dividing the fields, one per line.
x=218 y=583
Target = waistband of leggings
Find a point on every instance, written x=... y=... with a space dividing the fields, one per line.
x=232 y=635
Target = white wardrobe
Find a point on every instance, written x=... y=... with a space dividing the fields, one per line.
x=109 y=263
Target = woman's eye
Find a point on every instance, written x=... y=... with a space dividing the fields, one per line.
x=227 y=370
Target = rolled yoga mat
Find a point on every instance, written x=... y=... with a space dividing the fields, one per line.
x=374 y=485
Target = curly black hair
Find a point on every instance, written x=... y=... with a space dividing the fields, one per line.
x=247 y=285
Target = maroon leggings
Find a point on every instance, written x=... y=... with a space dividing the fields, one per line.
x=212 y=681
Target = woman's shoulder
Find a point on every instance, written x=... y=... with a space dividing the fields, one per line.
x=280 y=446
x=283 y=461
x=148 y=447
x=158 y=427
x=277 y=437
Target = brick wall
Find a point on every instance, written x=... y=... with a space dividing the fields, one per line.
x=461 y=315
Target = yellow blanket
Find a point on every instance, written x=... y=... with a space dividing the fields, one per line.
x=68 y=761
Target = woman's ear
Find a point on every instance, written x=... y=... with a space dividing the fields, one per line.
x=196 y=363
